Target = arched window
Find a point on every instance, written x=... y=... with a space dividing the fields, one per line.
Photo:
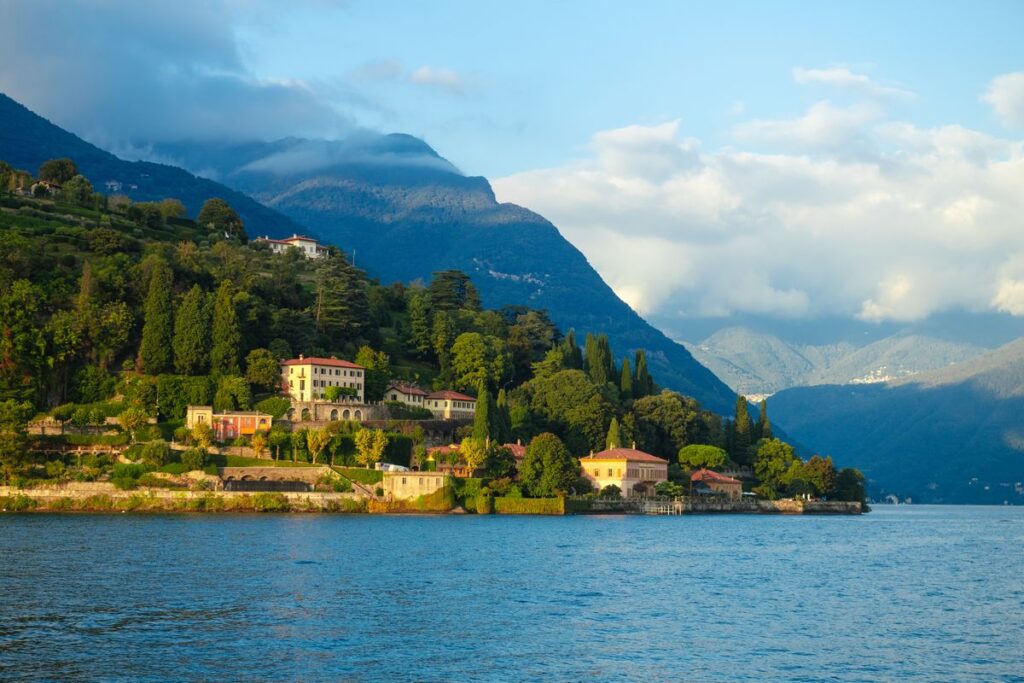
x=345 y=415
x=305 y=414
x=359 y=415
x=334 y=415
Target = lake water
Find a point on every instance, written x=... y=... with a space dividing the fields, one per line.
x=907 y=593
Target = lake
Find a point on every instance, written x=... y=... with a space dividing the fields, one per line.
x=904 y=593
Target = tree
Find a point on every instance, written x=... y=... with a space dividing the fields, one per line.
x=202 y=435
x=14 y=415
x=849 y=486
x=58 y=170
x=626 y=381
x=742 y=429
x=378 y=372
x=298 y=444
x=442 y=336
x=763 y=429
x=573 y=408
x=227 y=339
x=171 y=208
x=218 y=216
x=419 y=324
x=22 y=342
x=317 y=440
x=370 y=446
x=501 y=424
x=500 y=462
x=666 y=422
x=342 y=306
x=156 y=452
x=451 y=290
x=133 y=419
x=610 y=491
x=597 y=360
x=158 y=328
x=192 y=334
x=78 y=190
x=614 y=439
x=473 y=452
x=479 y=360
x=262 y=369
x=771 y=465
x=643 y=384
x=548 y=468
x=278 y=437
x=232 y=394
x=697 y=456
x=482 y=417
x=821 y=474
x=258 y=443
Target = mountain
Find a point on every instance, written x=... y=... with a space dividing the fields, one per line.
x=404 y=212
x=755 y=363
x=27 y=140
x=953 y=435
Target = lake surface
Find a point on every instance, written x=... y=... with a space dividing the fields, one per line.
x=908 y=593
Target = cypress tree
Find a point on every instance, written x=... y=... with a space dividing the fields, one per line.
x=643 y=385
x=626 y=381
x=482 y=417
x=192 y=334
x=158 y=328
x=504 y=417
x=597 y=360
x=419 y=324
x=742 y=429
x=614 y=438
x=764 y=425
x=227 y=340
x=573 y=356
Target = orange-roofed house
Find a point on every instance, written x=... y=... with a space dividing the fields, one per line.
x=409 y=394
x=707 y=482
x=636 y=473
x=450 y=405
x=307 y=379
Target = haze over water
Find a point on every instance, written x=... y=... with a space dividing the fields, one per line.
x=909 y=593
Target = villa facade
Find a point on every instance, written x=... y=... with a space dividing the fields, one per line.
x=308 y=246
x=634 y=472
x=408 y=394
x=451 y=405
x=230 y=424
x=307 y=379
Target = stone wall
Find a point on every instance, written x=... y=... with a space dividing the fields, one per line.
x=310 y=475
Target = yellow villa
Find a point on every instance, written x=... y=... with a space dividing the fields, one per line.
x=307 y=379
x=451 y=405
x=635 y=473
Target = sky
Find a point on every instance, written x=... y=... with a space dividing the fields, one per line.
x=712 y=160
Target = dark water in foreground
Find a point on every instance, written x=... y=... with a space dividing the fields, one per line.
x=910 y=593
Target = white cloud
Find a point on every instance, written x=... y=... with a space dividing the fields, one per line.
x=394 y=71
x=446 y=79
x=1006 y=95
x=852 y=215
x=842 y=78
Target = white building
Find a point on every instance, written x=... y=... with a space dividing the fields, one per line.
x=309 y=247
x=307 y=379
x=405 y=393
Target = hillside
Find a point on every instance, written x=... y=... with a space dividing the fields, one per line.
x=405 y=212
x=27 y=140
x=954 y=435
x=754 y=363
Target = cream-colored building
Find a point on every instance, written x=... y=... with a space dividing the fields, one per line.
x=405 y=393
x=309 y=247
x=635 y=473
x=451 y=405
x=307 y=379
x=412 y=485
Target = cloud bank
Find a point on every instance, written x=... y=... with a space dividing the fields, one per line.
x=117 y=71
x=840 y=211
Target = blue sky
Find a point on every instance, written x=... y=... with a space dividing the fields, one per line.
x=536 y=79
x=716 y=161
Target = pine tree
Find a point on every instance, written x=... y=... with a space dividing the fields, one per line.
x=597 y=360
x=342 y=306
x=614 y=439
x=764 y=425
x=643 y=385
x=419 y=324
x=192 y=334
x=573 y=355
x=626 y=381
x=227 y=340
x=482 y=417
x=158 y=328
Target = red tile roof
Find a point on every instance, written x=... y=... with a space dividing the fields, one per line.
x=442 y=450
x=451 y=395
x=518 y=450
x=627 y=454
x=333 y=362
x=709 y=475
x=407 y=389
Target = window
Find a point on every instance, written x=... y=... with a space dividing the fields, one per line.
x=609 y=471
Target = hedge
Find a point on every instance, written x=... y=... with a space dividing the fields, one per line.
x=529 y=506
x=361 y=475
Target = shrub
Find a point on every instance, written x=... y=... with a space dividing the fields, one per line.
x=484 y=502
x=129 y=470
x=379 y=491
x=124 y=483
x=275 y=405
x=611 y=491
x=529 y=506
x=194 y=459
x=154 y=481
x=269 y=502
x=18 y=503
x=177 y=468
x=156 y=453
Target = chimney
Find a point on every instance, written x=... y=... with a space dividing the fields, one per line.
x=301 y=356
x=634 y=445
x=519 y=442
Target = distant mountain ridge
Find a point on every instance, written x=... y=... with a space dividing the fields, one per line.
x=754 y=363
x=405 y=212
x=952 y=435
x=27 y=140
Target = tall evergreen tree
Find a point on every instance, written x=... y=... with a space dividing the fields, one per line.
x=226 y=352
x=643 y=384
x=158 y=328
x=504 y=417
x=419 y=323
x=626 y=381
x=482 y=417
x=573 y=355
x=597 y=360
x=192 y=334
x=614 y=439
x=743 y=431
x=764 y=425
x=342 y=305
